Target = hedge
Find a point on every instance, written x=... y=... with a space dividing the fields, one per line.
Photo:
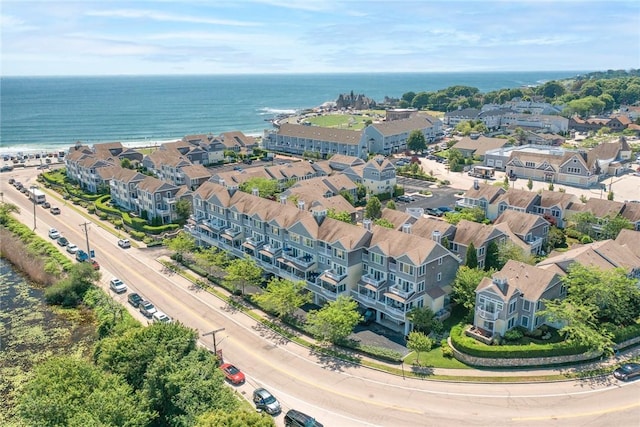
x=475 y=348
x=626 y=333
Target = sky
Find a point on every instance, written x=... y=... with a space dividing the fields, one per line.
x=114 y=37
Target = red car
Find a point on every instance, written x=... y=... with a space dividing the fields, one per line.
x=232 y=374
x=95 y=264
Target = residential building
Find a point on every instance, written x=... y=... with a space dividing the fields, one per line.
x=390 y=137
x=554 y=206
x=481 y=235
x=532 y=229
x=166 y=164
x=513 y=297
x=517 y=200
x=452 y=118
x=298 y=139
x=478 y=147
x=194 y=175
x=483 y=196
x=157 y=199
x=549 y=123
x=124 y=188
x=378 y=175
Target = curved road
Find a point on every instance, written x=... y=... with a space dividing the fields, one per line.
x=336 y=393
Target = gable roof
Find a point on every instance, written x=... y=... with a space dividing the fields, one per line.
x=518 y=198
x=549 y=199
x=630 y=239
x=605 y=254
x=486 y=191
x=401 y=126
x=520 y=223
x=531 y=281
x=318 y=133
x=480 y=145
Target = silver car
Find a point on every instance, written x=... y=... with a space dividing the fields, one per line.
x=266 y=401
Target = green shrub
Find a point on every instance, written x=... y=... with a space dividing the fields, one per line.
x=447 y=351
x=513 y=335
x=586 y=239
x=626 y=333
x=137 y=235
x=473 y=347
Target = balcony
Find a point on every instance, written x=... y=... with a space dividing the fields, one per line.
x=232 y=232
x=256 y=243
x=395 y=289
x=332 y=274
x=369 y=279
x=271 y=249
x=304 y=261
x=487 y=315
x=215 y=224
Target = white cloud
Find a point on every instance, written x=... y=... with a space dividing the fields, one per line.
x=167 y=17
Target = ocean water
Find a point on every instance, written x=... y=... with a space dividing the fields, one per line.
x=48 y=113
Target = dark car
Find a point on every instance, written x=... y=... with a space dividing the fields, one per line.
x=405 y=198
x=434 y=211
x=266 y=401
x=295 y=418
x=62 y=241
x=627 y=371
x=134 y=299
x=368 y=316
x=232 y=374
x=445 y=209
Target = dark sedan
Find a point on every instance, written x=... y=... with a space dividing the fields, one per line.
x=627 y=371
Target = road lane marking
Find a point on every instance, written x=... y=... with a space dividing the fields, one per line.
x=583 y=414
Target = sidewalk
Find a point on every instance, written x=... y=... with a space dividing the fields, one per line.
x=399 y=368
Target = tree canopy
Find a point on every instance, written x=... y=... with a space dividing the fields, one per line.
x=243 y=272
x=373 y=209
x=335 y=321
x=465 y=284
x=416 y=141
x=283 y=296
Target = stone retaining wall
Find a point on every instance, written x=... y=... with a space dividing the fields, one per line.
x=532 y=361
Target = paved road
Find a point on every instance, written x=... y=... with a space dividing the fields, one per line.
x=338 y=394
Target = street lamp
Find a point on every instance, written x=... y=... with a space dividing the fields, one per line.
x=33 y=197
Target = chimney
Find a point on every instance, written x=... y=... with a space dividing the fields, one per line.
x=436 y=236
x=283 y=199
x=301 y=205
x=476 y=184
x=366 y=223
x=501 y=283
x=221 y=182
x=255 y=192
x=406 y=228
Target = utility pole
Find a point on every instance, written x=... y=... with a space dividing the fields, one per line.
x=86 y=235
x=215 y=347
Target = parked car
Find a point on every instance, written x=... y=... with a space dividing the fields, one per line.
x=117 y=286
x=232 y=374
x=627 y=371
x=160 y=317
x=146 y=308
x=94 y=264
x=434 y=211
x=265 y=401
x=72 y=249
x=11 y=181
x=82 y=256
x=46 y=205
x=368 y=316
x=124 y=243
x=445 y=209
x=134 y=299
x=6 y=168
x=55 y=210
x=53 y=233
x=405 y=198
x=62 y=241
x=295 y=418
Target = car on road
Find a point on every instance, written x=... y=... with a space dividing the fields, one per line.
x=6 y=168
x=72 y=249
x=627 y=371
x=265 y=401
x=62 y=241
x=232 y=374
x=55 y=210
x=46 y=205
x=53 y=233
x=11 y=181
x=405 y=198
x=294 y=418
x=81 y=256
x=94 y=264
x=134 y=299
x=124 y=243
x=160 y=317
x=147 y=308
x=117 y=286
x=434 y=211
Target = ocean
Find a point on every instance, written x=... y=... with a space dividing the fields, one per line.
x=50 y=113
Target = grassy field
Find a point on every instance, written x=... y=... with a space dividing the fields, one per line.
x=341 y=121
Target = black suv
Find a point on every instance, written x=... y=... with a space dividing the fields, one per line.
x=134 y=299
x=298 y=419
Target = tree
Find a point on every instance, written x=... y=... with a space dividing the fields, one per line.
x=456 y=160
x=419 y=342
x=491 y=260
x=470 y=214
x=424 y=320
x=555 y=239
x=283 y=297
x=611 y=227
x=505 y=183
x=361 y=192
x=335 y=321
x=551 y=187
x=237 y=418
x=126 y=163
x=211 y=259
x=521 y=136
x=183 y=210
x=69 y=291
x=391 y=205
x=472 y=256
x=348 y=197
x=71 y=391
x=384 y=222
x=6 y=209
x=373 y=210
x=343 y=216
x=465 y=284
x=510 y=250
x=267 y=188
x=180 y=244
x=416 y=141
x=610 y=195
x=530 y=184
x=242 y=272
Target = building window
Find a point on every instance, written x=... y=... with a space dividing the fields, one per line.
x=529 y=164
x=439 y=277
x=574 y=170
x=563 y=290
x=526 y=305
x=525 y=321
x=511 y=323
x=406 y=268
x=421 y=287
x=512 y=306
x=440 y=261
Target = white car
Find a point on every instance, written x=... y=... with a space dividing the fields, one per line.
x=71 y=248
x=54 y=234
x=124 y=243
x=117 y=286
x=160 y=317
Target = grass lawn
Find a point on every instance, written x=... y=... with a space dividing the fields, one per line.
x=342 y=121
x=434 y=359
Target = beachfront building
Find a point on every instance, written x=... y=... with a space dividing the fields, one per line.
x=389 y=271
x=391 y=137
x=156 y=200
x=549 y=123
x=124 y=188
x=216 y=147
x=452 y=118
x=299 y=139
x=166 y=164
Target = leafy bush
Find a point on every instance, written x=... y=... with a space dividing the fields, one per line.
x=513 y=335
x=586 y=239
x=447 y=351
x=137 y=235
x=626 y=333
